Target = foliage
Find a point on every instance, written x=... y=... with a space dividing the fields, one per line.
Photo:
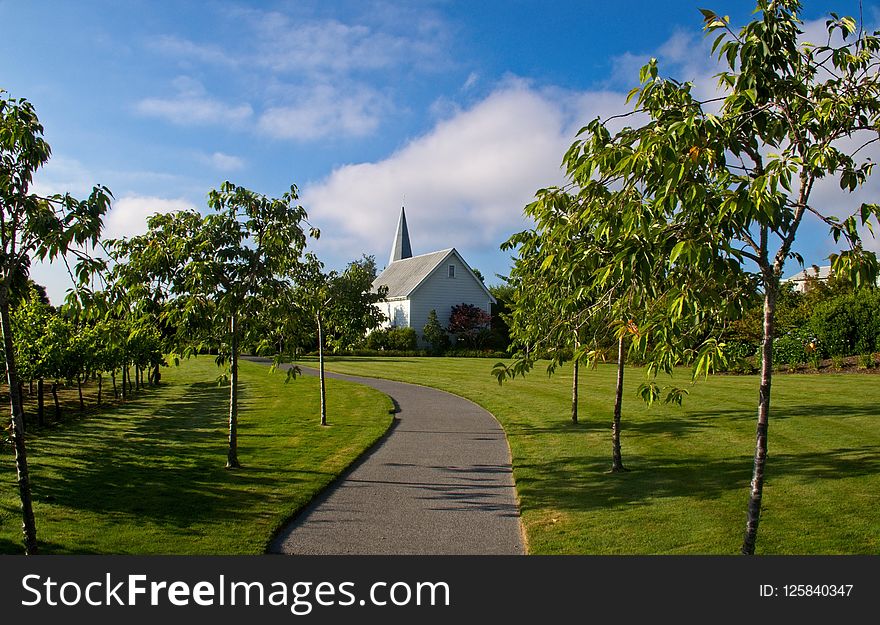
x=34 y=227
x=849 y=324
x=219 y=272
x=351 y=311
x=393 y=339
x=435 y=335
x=469 y=324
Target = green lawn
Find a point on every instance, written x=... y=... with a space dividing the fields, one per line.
x=148 y=477
x=690 y=466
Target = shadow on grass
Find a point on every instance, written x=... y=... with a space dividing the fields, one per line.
x=584 y=484
x=789 y=411
x=166 y=465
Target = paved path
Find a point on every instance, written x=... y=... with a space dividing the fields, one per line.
x=440 y=482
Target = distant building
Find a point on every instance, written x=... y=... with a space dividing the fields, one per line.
x=418 y=284
x=802 y=279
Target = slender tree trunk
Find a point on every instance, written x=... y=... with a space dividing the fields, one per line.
x=156 y=375
x=756 y=490
x=31 y=386
x=125 y=382
x=100 y=387
x=113 y=379
x=55 y=400
x=41 y=403
x=28 y=526
x=616 y=457
x=21 y=403
x=137 y=377
x=574 y=393
x=232 y=455
x=79 y=389
x=321 y=370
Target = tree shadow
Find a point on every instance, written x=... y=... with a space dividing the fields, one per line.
x=166 y=466
x=583 y=484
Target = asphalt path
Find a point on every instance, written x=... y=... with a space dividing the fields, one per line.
x=438 y=483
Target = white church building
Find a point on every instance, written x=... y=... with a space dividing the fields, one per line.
x=419 y=284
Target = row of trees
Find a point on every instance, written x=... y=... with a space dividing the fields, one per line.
x=667 y=225
x=52 y=345
x=236 y=279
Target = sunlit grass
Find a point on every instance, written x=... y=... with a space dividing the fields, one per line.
x=690 y=467
x=148 y=477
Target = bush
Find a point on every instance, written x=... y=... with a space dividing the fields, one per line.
x=403 y=339
x=793 y=348
x=435 y=334
x=866 y=361
x=849 y=324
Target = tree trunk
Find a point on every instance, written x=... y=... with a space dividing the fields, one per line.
x=21 y=403
x=137 y=377
x=574 y=393
x=232 y=455
x=79 y=389
x=124 y=384
x=616 y=457
x=156 y=375
x=41 y=403
x=28 y=526
x=113 y=379
x=55 y=399
x=321 y=371
x=100 y=387
x=757 y=486
x=31 y=386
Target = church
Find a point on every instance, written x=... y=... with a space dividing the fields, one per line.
x=419 y=284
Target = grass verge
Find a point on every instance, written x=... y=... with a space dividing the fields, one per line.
x=687 y=489
x=148 y=476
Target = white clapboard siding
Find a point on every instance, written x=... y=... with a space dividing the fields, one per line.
x=440 y=292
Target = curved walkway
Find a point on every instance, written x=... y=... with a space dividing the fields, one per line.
x=439 y=482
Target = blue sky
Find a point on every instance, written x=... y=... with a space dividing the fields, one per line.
x=459 y=110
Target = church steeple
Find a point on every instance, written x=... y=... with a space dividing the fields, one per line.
x=401 y=248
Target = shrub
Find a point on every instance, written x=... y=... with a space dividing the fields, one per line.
x=402 y=339
x=837 y=362
x=866 y=361
x=792 y=349
x=435 y=334
x=848 y=324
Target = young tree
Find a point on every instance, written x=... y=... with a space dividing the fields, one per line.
x=435 y=334
x=33 y=227
x=220 y=272
x=733 y=185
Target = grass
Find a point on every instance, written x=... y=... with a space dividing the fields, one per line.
x=148 y=476
x=687 y=489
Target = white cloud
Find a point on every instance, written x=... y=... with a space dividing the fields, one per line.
x=465 y=183
x=128 y=215
x=321 y=46
x=222 y=162
x=325 y=111
x=188 y=51
x=193 y=106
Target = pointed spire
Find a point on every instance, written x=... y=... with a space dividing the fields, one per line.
x=401 y=248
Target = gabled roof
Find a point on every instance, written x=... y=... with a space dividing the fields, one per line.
x=821 y=273
x=403 y=277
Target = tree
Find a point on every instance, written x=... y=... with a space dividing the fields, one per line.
x=220 y=272
x=33 y=227
x=731 y=186
x=435 y=334
x=340 y=305
x=469 y=324
x=352 y=312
